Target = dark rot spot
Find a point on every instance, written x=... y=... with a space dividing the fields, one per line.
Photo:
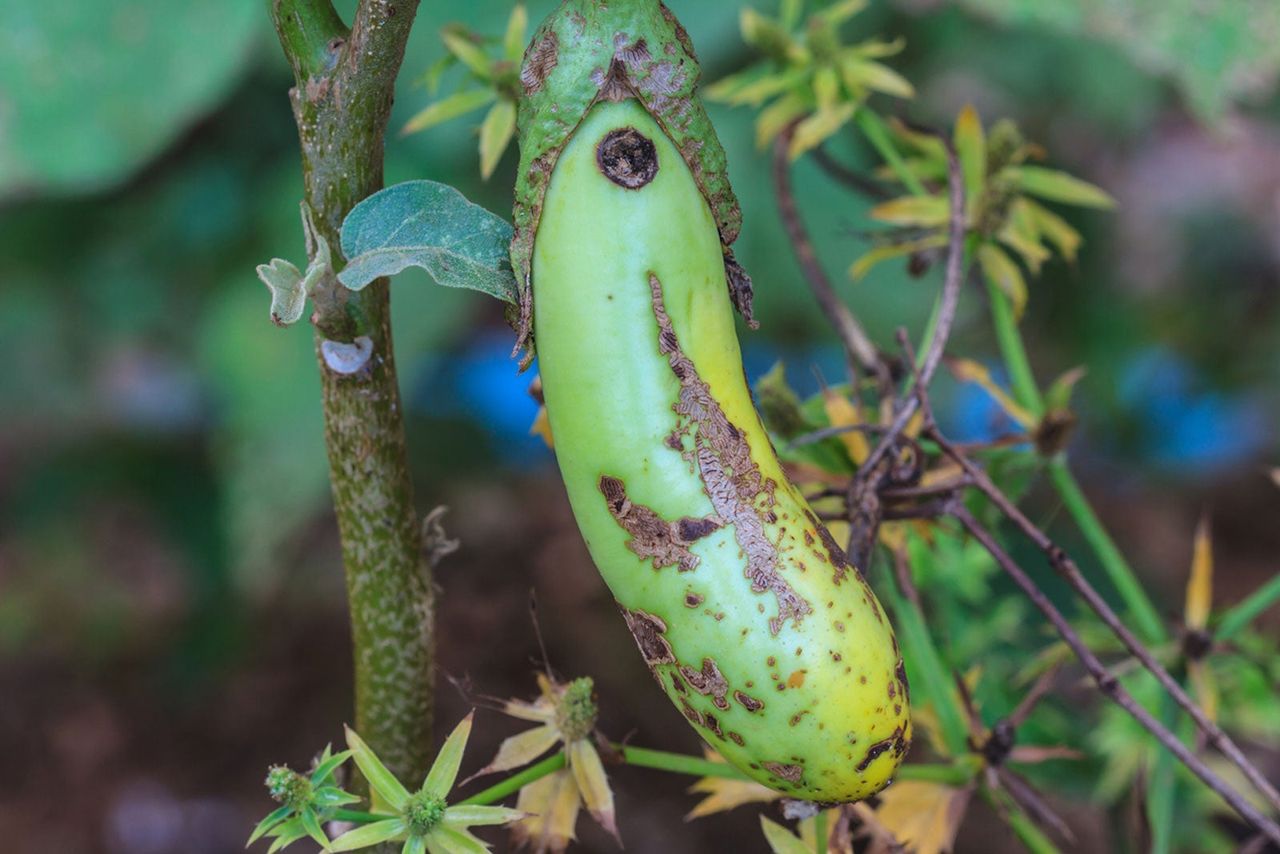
x=710 y=722
x=627 y=158
x=692 y=600
x=678 y=683
x=696 y=529
x=897 y=743
x=690 y=712
x=709 y=681
x=648 y=629
x=795 y=719
x=901 y=672
x=790 y=773
x=751 y=704
x=737 y=739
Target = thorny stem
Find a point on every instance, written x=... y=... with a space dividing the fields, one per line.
x=1067 y=568
x=846 y=325
x=1245 y=611
x=344 y=84
x=1108 y=684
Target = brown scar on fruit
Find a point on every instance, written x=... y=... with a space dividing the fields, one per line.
x=739 y=494
x=627 y=157
x=900 y=671
x=839 y=560
x=751 y=704
x=693 y=600
x=648 y=630
x=796 y=679
x=539 y=61
x=784 y=771
x=737 y=739
x=897 y=742
x=709 y=681
x=652 y=537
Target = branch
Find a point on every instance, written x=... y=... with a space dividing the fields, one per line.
x=851 y=333
x=344 y=84
x=1108 y=684
x=1067 y=568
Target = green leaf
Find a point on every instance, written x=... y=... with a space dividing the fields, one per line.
x=391 y=791
x=764 y=34
x=817 y=128
x=451 y=840
x=415 y=845
x=773 y=118
x=514 y=38
x=445 y=109
x=288 y=296
x=465 y=815
x=311 y=824
x=444 y=771
x=1021 y=233
x=781 y=840
x=860 y=74
x=1058 y=395
x=461 y=44
x=332 y=796
x=877 y=48
x=328 y=766
x=495 y=133
x=923 y=211
x=971 y=149
x=839 y=12
x=286 y=834
x=789 y=13
x=1000 y=269
x=432 y=226
x=92 y=91
x=273 y=818
x=1058 y=186
x=370 y=835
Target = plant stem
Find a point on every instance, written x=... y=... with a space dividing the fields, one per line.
x=1019 y=822
x=677 y=763
x=873 y=128
x=360 y=816
x=1027 y=393
x=344 y=83
x=519 y=780
x=820 y=832
x=1247 y=610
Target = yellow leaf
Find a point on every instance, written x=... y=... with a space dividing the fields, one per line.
x=924 y=211
x=1200 y=584
x=542 y=427
x=1022 y=234
x=448 y=108
x=923 y=817
x=522 y=749
x=815 y=129
x=513 y=40
x=773 y=118
x=971 y=149
x=495 y=132
x=967 y=370
x=724 y=793
x=860 y=267
x=588 y=772
x=842 y=412
x=1058 y=186
x=552 y=804
x=826 y=88
x=781 y=840
x=1055 y=228
x=460 y=44
x=1205 y=688
x=861 y=74
x=1000 y=269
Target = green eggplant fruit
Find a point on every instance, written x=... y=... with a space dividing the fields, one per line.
x=748 y=613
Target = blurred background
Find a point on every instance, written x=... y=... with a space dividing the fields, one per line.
x=171 y=599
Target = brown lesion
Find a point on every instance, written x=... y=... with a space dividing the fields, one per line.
x=740 y=495
x=539 y=61
x=839 y=560
x=652 y=537
x=785 y=771
x=649 y=630
x=751 y=704
x=708 y=681
x=896 y=744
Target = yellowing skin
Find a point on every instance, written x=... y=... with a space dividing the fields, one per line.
x=792 y=674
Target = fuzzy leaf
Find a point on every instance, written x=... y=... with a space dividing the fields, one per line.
x=863 y=265
x=496 y=130
x=1057 y=186
x=288 y=296
x=457 y=104
x=432 y=226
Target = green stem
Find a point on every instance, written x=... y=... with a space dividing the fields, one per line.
x=344 y=83
x=1027 y=393
x=820 y=832
x=678 y=763
x=360 y=816
x=1122 y=577
x=873 y=128
x=518 y=781
x=1246 y=611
